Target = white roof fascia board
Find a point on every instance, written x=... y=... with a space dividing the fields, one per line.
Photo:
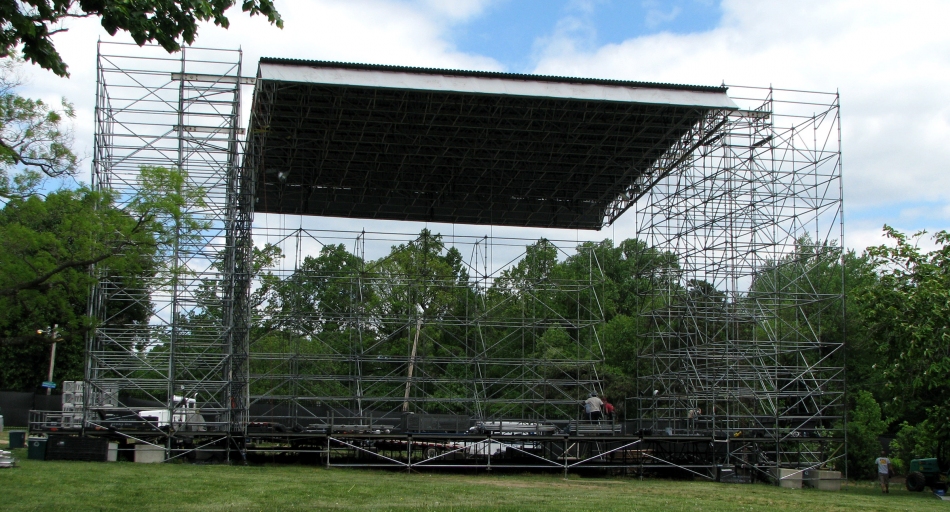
x=492 y=85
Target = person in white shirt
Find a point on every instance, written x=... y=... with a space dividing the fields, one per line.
x=594 y=407
x=884 y=471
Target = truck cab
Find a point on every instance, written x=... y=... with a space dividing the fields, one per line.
x=182 y=414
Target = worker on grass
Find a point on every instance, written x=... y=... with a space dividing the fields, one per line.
x=884 y=470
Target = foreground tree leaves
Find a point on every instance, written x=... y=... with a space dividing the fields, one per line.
x=907 y=313
x=35 y=139
x=32 y=24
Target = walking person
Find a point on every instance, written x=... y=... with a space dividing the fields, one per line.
x=884 y=471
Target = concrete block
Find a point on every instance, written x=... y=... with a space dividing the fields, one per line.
x=829 y=480
x=822 y=479
x=788 y=478
x=149 y=454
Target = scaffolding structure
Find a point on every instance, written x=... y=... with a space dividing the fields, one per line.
x=430 y=328
x=749 y=339
x=161 y=336
x=423 y=349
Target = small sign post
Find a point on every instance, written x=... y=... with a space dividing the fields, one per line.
x=49 y=385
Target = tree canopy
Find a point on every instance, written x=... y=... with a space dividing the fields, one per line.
x=35 y=138
x=49 y=243
x=31 y=25
x=907 y=313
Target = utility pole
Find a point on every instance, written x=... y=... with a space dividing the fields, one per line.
x=52 y=354
x=412 y=364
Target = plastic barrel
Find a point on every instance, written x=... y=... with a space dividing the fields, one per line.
x=17 y=439
x=36 y=448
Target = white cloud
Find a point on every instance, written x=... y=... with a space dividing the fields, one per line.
x=863 y=235
x=890 y=61
x=374 y=31
x=458 y=9
x=656 y=17
x=584 y=6
x=570 y=35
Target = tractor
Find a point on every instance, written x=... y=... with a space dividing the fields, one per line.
x=925 y=473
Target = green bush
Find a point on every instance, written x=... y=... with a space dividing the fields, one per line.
x=864 y=427
x=912 y=442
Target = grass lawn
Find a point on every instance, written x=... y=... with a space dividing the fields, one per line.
x=38 y=485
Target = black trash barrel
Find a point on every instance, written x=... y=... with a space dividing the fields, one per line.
x=17 y=439
x=36 y=448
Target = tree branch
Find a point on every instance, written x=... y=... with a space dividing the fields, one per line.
x=23 y=340
x=39 y=282
x=43 y=165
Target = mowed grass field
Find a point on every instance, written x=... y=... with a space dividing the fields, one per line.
x=125 y=486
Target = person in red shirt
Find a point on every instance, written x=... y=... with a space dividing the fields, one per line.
x=608 y=409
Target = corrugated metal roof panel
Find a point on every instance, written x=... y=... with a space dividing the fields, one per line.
x=491 y=74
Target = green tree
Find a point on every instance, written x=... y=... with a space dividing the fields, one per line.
x=312 y=310
x=907 y=314
x=630 y=279
x=35 y=141
x=324 y=291
x=30 y=25
x=803 y=290
x=421 y=274
x=912 y=442
x=530 y=290
x=863 y=358
x=51 y=243
x=419 y=285
x=864 y=427
x=91 y=229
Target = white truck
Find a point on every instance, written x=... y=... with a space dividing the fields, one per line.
x=182 y=414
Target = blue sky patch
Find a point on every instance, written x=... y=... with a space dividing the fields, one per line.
x=514 y=32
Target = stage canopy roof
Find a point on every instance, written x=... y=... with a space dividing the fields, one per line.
x=397 y=143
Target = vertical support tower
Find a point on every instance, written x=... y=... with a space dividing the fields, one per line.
x=174 y=330
x=745 y=335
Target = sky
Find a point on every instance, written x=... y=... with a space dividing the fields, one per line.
x=890 y=61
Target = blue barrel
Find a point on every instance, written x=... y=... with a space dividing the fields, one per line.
x=17 y=439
